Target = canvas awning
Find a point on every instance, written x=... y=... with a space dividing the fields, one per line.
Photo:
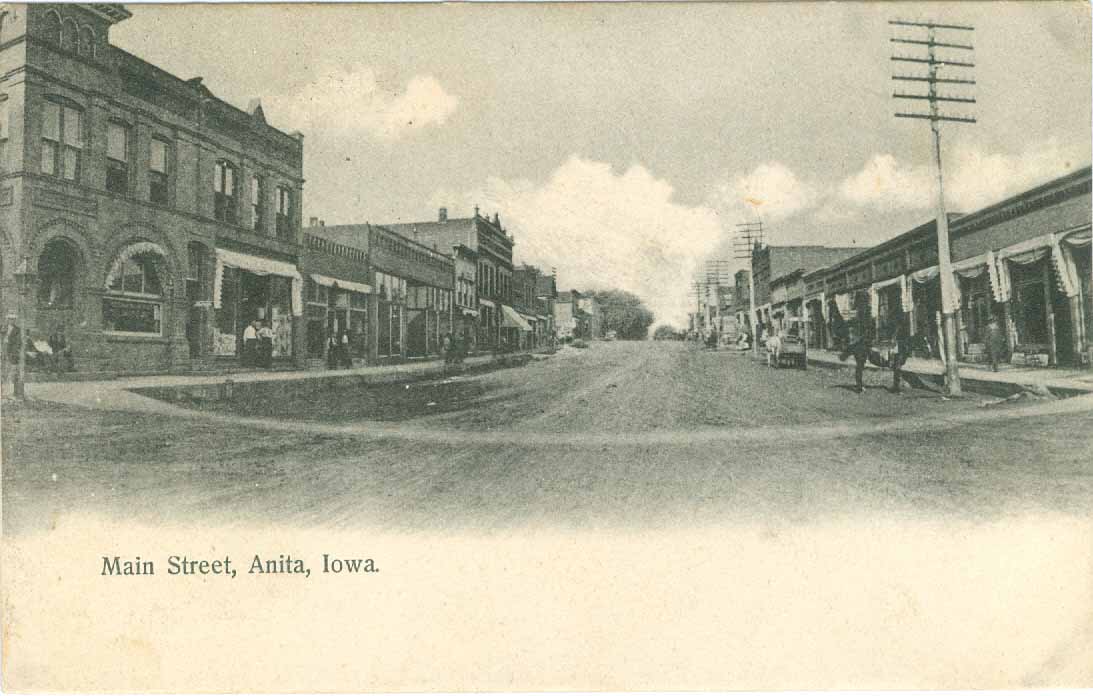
x=341 y=284
x=513 y=320
x=259 y=266
x=486 y=303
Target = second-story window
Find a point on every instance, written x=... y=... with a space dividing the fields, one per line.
x=117 y=158
x=62 y=140
x=284 y=212
x=158 y=171
x=256 y=203
x=224 y=192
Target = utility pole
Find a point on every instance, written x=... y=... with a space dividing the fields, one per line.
x=925 y=35
x=749 y=235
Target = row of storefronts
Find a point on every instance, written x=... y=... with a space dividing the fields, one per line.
x=1024 y=263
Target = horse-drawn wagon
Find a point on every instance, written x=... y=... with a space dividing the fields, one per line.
x=790 y=346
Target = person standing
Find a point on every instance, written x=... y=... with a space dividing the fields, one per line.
x=996 y=343
x=265 y=345
x=343 y=350
x=250 y=344
x=13 y=342
x=61 y=357
x=332 y=350
x=902 y=351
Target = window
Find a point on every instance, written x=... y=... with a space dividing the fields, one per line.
x=256 y=203
x=3 y=117
x=87 y=42
x=134 y=304
x=56 y=275
x=51 y=27
x=117 y=158
x=158 y=169
x=224 y=192
x=62 y=140
x=284 y=212
x=70 y=39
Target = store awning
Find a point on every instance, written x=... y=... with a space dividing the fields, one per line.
x=341 y=284
x=513 y=320
x=259 y=266
x=486 y=303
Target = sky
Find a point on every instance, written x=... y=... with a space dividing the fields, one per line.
x=622 y=143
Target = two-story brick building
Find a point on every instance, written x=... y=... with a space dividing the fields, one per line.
x=492 y=249
x=410 y=308
x=157 y=220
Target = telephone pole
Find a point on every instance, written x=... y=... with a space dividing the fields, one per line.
x=924 y=35
x=749 y=235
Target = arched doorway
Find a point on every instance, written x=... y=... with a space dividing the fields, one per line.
x=56 y=300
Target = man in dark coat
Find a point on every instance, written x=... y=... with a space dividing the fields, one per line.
x=61 y=358
x=996 y=343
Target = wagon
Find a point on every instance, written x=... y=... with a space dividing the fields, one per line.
x=790 y=347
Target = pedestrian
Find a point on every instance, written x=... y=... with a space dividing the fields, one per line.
x=996 y=342
x=902 y=340
x=250 y=344
x=343 y=350
x=265 y=345
x=13 y=345
x=447 y=347
x=332 y=344
x=60 y=360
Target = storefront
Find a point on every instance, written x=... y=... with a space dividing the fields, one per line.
x=890 y=300
x=428 y=312
x=513 y=326
x=817 y=321
x=248 y=288
x=334 y=306
x=1078 y=255
x=489 y=324
x=390 y=314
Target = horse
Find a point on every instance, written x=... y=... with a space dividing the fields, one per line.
x=892 y=358
x=774 y=350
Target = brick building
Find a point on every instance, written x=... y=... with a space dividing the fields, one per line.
x=157 y=219
x=770 y=263
x=410 y=308
x=1024 y=261
x=492 y=249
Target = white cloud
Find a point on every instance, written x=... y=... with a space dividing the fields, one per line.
x=354 y=99
x=885 y=184
x=977 y=179
x=600 y=228
x=772 y=191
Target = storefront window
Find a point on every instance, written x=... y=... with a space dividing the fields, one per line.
x=134 y=304
x=56 y=274
x=976 y=306
x=1030 y=304
x=358 y=324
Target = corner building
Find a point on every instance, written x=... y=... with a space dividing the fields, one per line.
x=157 y=219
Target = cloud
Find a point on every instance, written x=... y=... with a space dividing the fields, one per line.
x=601 y=228
x=885 y=184
x=977 y=179
x=973 y=178
x=354 y=99
x=771 y=190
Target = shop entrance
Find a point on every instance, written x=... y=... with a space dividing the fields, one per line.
x=416 y=333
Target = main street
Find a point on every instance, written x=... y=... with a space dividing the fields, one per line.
x=631 y=434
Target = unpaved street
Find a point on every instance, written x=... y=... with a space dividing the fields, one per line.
x=634 y=434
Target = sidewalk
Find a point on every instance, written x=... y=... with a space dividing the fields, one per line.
x=1067 y=381
x=119 y=394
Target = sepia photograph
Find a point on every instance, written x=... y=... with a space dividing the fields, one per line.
x=546 y=346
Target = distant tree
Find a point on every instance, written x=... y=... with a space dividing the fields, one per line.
x=665 y=332
x=624 y=313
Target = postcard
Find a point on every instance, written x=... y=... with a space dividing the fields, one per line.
x=523 y=347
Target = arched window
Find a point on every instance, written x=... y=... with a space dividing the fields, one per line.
x=133 y=303
x=284 y=212
x=57 y=275
x=224 y=185
x=87 y=42
x=70 y=38
x=51 y=27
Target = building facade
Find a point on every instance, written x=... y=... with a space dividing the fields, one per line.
x=157 y=220
x=497 y=321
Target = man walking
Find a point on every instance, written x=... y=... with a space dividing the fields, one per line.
x=13 y=345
